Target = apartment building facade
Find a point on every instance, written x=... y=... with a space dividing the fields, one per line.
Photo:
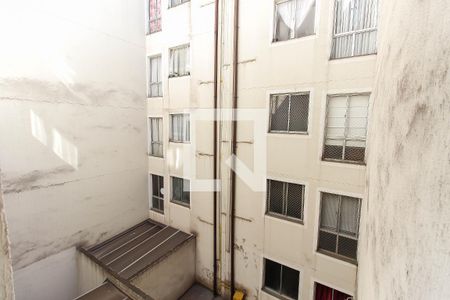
x=306 y=68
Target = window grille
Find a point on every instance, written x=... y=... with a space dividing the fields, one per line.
x=289 y=113
x=173 y=3
x=154 y=82
x=157 y=193
x=346 y=128
x=181 y=191
x=355 y=28
x=180 y=128
x=323 y=292
x=156 y=137
x=285 y=199
x=339 y=225
x=294 y=19
x=179 y=61
x=154 y=16
x=281 y=280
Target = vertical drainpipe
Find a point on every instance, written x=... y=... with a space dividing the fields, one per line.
x=216 y=86
x=234 y=144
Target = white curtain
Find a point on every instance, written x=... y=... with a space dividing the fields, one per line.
x=294 y=19
x=180 y=127
x=305 y=17
x=329 y=211
x=349 y=218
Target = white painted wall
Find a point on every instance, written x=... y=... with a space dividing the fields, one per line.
x=404 y=253
x=6 y=279
x=72 y=132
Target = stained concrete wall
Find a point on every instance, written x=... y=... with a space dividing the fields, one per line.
x=404 y=252
x=72 y=132
x=6 y=280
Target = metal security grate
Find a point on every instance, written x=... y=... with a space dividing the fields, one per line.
x=181 y=191
x=156 y=137
x=285 y=199
x=154 y=77
x=346 y=128
x=339 y=225
x=157 y=193
x=289 y=113
x=280 y=280
x=355 y=28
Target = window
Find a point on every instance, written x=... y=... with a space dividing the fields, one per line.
x=294 y=19
x=173 y=3
x=285 y=199
x=289 y=113
x=280 y=281
x=179 y=61
x=157 y=193
x=154 y=77
x=355 y=28
x=346 y=128
x=180 y=128
x=323 y=292
x=156 y=137
x=154 y=16
x=339 y=225
x=181 y=191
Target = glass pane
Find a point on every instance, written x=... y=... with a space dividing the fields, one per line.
x=365 y=43
x=298 y=120
x=349 y=218
x=276 y=196
x=329 y=211
x=155 y=186
x=323 y=292
x=177 y=188
x=290 y=282
x=342 y=46
x=343 y=21
x=272 y=278
x=327 y=241
x=284 y=20
x=336 y=115
x=186 y=191
x=304 y=18
x=295 y=201
x=279 y=112
x=347 y=247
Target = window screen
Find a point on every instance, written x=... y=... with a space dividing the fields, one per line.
x=346 y=128
x=156 y=137
x=179 y=61
x=339 y=225
x=157 y=193
x=289 y=112
x=180 y=128
x=181 y=191
x=355 y=28
x=154 y=16
x=323 y=292
x=285 y=199
x=294 y=19
x=281 y=280
x=154 y=77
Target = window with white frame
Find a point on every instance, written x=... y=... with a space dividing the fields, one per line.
x=294 y=19
x=355 y=28
x=154 y=16
x=339 y=226
x=156 y=137
x=154 y=76
x=346 y=128
x=173 y=3
x=285 y=199
x=181 y=191
x=289 y=113
x=180 y=128
x=323 y=292
x=280 y=281
x=179 y=64
x=157 y=193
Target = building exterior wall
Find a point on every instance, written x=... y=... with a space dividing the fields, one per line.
x=404 y=251
x=72 y=134
x=300 y=65
x=6 y=279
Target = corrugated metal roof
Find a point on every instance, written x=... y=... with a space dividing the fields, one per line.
x=106 y=291
x=137 y=248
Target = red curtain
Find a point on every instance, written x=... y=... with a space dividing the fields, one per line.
x=323 y=292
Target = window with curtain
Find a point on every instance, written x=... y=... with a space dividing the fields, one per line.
x=157 y=193
x=181 y=191
x=294 y=19
x=156 y=137
x=355 y=28
x=154 y=77
x=339 y=226
x=154 y=16
x=179 y=64
x=280 y=281
x=180 y=128
x=173 y=3
x=285 y=200
x=289 y=113
x=323 y=292
x=346 y=128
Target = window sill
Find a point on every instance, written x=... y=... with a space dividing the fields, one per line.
x=342 y=59
x=291 y=133
x=155 y=156
x=341 y=258
x=284 y=218
x=161 y=212
x=153 y=32
x=275 y=294
x=178 y=76
x=154 y=97
x=342 y=161
x=180 y=142
x=180 y=203
x=294 y=40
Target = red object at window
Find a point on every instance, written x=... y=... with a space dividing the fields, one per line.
x=154 y=16
x=326 y=293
